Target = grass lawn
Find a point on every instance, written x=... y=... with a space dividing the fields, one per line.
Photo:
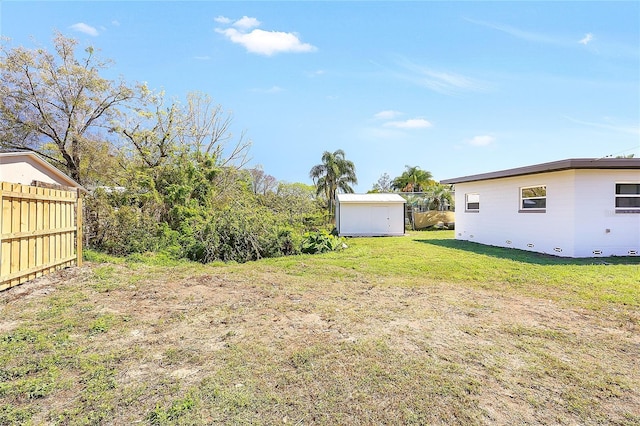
x=420 y=329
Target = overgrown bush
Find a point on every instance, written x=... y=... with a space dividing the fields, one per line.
x=184 y=215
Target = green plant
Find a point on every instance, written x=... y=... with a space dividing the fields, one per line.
x=321 y=242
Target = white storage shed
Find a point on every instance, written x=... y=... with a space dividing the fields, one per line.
x=573 y=208
x=359 y=215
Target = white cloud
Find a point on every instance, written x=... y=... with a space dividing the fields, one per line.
x=609 y=125
x=516 y=32
x=260 y=41
x=267 y=42
x=483 y=140
x=246 y=23
x=387 y=115
x=115 y=23
x=445 y=82
x=536 y=37
x=84 y=28
x=586 y=39
x=222 y=20
x=439 y=81
x=413 y=123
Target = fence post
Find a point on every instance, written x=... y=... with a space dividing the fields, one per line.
x=79 y=229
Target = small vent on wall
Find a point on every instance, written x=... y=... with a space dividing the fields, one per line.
x=459 y=234
x=508 y=241
x=531 y=245
x=557 y=250
x=632 y=252
x=597 y=252
x=471 y=236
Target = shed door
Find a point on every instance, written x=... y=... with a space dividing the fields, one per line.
x=380 y=219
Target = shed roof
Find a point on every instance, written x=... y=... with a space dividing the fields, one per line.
x=569 y=164
x=32 y=157
x=370 y=198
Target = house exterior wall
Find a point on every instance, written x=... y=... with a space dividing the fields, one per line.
x=24 y=169
x=598 y=228
x=500 y=221
x=579 y=220
x=370 y=219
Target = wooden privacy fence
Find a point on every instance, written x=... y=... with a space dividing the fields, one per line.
x=40 y=232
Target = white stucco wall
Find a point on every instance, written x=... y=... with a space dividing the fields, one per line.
x=499 y=221
x=580 y=216
x=370 y=219
x=25 y=168
x=597 y=226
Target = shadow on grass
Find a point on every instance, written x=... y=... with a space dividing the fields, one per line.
x=527 y=256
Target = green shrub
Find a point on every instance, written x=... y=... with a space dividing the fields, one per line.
x=320 y=242
x=189 y=208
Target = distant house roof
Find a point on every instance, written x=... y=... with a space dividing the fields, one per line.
x=38 y=163
x=370 y=198
x=555 y=166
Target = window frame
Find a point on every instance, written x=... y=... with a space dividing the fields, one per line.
x=522 y=198
x=466 y=203
x=618 y=196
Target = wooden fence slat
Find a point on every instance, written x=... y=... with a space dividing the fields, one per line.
x=31 y=255
x=40 y=232
x=5 y=221
x=79 y=232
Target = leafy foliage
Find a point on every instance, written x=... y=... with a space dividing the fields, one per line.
x=56 y=104
x=168 y=175
x=413 y=179
x=181 y=209
x=382 y=185
x=321 y=242
x=334 y=174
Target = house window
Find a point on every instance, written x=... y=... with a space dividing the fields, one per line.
x=472 y=202
x=627 y=197
x=533 y=198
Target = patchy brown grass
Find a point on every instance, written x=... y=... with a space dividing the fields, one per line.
x=281 y=342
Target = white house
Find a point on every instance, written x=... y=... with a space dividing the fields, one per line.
x=370 y=214
x=26 y=168
x=572 y=208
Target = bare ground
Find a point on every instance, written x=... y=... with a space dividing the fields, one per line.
x=267 y=348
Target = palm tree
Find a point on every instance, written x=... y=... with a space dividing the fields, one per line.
x=336 y=173
x=413 y=179
x=440 y=197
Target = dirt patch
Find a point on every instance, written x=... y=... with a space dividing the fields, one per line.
x=409 y=355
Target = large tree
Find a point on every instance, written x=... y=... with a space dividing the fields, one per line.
x=58 y=104
x=413 y=179
x=164 y=133
x=334 y=174
x=439 y=196
x=261 y=182
x=383 y=184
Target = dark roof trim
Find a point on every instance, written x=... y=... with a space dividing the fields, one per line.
x=555 y=166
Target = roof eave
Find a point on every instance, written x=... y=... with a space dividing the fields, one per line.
x=59 y=173
x=555 y=166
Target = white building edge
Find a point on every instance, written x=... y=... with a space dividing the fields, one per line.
x=369 y=215
x=571 y=208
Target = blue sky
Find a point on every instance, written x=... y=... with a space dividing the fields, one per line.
x=455 y=88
